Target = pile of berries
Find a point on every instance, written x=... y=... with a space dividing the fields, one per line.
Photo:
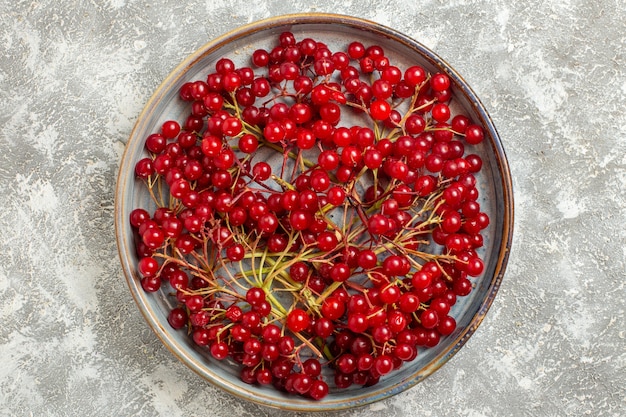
x=315 y=210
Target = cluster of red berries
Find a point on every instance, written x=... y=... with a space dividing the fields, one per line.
x=315 y=210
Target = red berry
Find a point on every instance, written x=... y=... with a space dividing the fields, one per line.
x=170 y=129
x=333 y=308
x=474 y=134
x=380 y=110
x=414 y=76
x=298 y=320
x=440 y=82
x=177 y=318
x=148 y=267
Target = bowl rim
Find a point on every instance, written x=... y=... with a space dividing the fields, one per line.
x=295 y=403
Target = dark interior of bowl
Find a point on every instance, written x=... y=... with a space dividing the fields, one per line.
x=337 y=31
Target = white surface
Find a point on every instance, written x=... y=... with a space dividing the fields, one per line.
x=74 y=76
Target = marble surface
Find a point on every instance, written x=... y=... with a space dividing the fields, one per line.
x=75 y=75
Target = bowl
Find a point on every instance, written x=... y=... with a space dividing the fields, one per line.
x=493 y=182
